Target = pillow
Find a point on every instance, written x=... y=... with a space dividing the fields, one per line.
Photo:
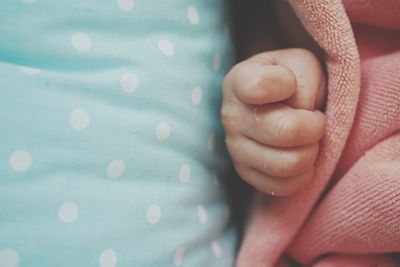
x=111 y=146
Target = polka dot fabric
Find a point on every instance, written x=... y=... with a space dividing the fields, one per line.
x=110 y=142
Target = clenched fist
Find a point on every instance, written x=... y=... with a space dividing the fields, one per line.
x=271 y=121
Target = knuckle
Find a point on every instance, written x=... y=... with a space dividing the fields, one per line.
x=230 y=78
x=235 y=147
x=229 y=118
x=226 y=86
x=225 y=113
x=296 y=162
x=235 y=72
x=240 y=68
x=292 y=163
x=232 y=82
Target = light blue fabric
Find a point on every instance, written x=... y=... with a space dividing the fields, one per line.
x=111 y=150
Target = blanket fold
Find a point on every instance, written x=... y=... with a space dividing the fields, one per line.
x=356 y=222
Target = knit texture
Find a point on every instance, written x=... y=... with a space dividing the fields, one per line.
x=349 y=215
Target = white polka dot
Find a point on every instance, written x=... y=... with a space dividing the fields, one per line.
x=163 y=131
x=29 y=70
x=216 y=249
x=9 y=258
x=153 y=214
x=126 y=5
x=20 y=160
x=79 y=119
x=184 y=173
x=202 y=214
x=81 y=41
x=129 y=82
x=193 y=15
x=115 y=169
x=216 y=62
x=68 y=212
x=211 y=142
x=197 y=94
x=166 y=47
x=108 y=258
x=178 y=257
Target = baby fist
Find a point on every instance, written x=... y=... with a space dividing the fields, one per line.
x=271 y=123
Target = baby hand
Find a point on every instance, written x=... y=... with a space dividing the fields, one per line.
x=271 y=125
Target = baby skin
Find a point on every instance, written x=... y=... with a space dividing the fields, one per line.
x=271 y=117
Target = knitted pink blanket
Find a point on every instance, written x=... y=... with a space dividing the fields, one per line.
x=350 y=214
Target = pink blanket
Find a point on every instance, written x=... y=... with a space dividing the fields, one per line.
x=350 y=214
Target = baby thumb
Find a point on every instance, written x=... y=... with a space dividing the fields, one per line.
x=310 y=77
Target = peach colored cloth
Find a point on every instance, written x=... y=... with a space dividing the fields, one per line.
x=350 y=214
